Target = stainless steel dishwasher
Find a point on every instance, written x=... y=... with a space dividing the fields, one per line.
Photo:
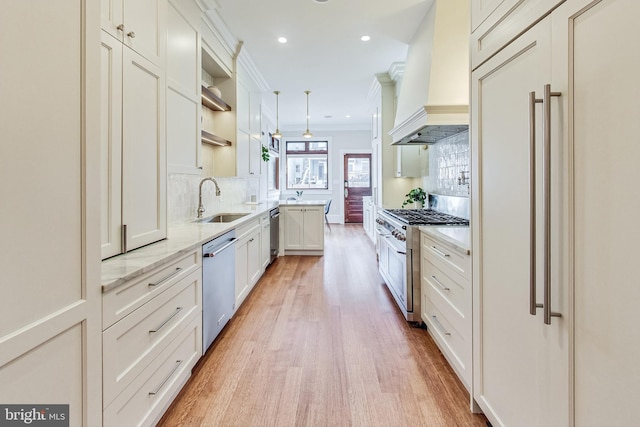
x=218 y=285
x=274 y=223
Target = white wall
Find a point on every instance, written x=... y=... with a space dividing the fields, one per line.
x=340 y=142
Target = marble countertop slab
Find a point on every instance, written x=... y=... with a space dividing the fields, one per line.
x=303 y=202
x=181 y=239
x=457 y=236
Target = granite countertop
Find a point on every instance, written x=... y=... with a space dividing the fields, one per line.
x=457 y=236
x=181 y=239
x=303 y=202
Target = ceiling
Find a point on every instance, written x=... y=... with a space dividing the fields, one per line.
x=324 y=53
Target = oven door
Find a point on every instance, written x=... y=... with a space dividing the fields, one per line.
x=393 y=268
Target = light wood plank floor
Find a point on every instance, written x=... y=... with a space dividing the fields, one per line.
x=319 y=342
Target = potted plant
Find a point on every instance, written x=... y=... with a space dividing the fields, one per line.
x=265 y=154
x=417 y=196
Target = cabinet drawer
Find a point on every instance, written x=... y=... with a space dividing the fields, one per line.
x=455 y=348
x=247 y=228
x=446 y=258
x=145 y=400
x=123 y=300
x=130 y=344
x=451 y=296
x=504 y=23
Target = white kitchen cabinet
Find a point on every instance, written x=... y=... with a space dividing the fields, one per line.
x=152 y=338
x=411 y=161
x=134 y=197
x=387 y=190
x=183 y=88
x=248 y=151
x=367 y=216
x=495 y=23
x=508 y=339
x=446 y=301
x=303 y=229
x=265 y=240
x=139 y=24
x=571 y=371
x=248 y=259
x=50 y=337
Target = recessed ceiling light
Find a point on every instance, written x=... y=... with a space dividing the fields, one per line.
x=321 y=1
x=365 y=38
x=282 y=39
x=348 y=116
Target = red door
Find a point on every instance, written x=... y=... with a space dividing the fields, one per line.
x=357 y=183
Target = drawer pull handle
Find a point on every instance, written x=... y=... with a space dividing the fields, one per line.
x=439 y=252
x=178 y=310
x=439 y=283
x=173 y=371
x=164 y=279
x=439 y=326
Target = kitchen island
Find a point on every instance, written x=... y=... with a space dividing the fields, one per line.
x=303 y=231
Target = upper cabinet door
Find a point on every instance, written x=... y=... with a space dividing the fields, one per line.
x=481 y=9
x=496 y=23
x=143 y=151
x=140 y=24
x=111 y=145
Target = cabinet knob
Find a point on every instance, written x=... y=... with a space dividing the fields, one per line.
x=131 y=34
x=120 y=27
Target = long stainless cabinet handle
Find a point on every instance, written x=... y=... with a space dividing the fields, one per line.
x=164 y=279
x=175 y=313
x=276 y=215
x=546 y=170
x=439 y=325
x=533 y=305
x=173 y=371
x=439 y=252
x=212 y=254
x=439 y=283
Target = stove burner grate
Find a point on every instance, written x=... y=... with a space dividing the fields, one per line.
x=426 y=217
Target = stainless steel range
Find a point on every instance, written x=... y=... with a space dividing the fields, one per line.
x=398 y=246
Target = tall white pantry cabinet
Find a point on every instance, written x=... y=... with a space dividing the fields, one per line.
x=50 y=306
x=555 y=148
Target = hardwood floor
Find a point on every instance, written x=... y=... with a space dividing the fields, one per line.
x=319 y=342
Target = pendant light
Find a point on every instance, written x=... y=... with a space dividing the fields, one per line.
x=307 y=133
x=277 y=133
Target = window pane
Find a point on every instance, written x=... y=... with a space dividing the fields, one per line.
x=296 y=146
x=358 y=173
x=307 y=172
x=318 y=146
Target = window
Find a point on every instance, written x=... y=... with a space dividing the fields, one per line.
x=307 y=165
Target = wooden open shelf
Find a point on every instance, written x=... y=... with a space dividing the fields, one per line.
x=215 y=140
x=213 y=102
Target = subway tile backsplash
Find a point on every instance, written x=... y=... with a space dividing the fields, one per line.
x=182 y=192
x=449 y=166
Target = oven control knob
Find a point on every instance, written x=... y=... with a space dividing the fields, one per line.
x=403 y=238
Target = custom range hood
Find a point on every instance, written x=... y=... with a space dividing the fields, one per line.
x=433 y=102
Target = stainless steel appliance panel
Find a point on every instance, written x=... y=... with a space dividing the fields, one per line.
x=275 y=233
x=218 y=285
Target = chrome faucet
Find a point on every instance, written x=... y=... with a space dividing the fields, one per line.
x=200 y=205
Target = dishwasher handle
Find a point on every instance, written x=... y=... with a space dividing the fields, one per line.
x=225 y=246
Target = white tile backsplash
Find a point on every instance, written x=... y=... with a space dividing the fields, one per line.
x=182 y=195
x=448 y=159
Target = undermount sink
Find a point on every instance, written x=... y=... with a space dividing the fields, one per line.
x=225 y=217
